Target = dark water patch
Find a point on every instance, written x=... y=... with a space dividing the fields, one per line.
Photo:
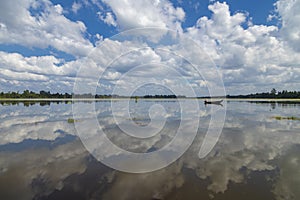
x=91 y=184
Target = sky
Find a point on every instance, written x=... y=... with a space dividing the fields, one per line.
x=252 y=45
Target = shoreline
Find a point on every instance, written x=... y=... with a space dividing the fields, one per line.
x=262 y=100
x=151 y=99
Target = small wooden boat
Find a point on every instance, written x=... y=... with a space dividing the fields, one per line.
x=213 y=102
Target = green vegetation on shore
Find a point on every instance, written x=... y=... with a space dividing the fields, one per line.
x=26 y=94
x=273 y=94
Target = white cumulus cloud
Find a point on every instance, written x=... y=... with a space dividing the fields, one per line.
x=153 y=13
x=18 y=25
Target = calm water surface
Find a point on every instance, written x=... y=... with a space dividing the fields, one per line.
x=256 y=157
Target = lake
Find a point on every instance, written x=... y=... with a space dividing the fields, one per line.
x=42 y=155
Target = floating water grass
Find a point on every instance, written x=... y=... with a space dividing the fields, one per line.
x=71 y=120
x=286 y=118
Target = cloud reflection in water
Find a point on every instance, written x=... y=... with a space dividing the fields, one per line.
x=252 y=143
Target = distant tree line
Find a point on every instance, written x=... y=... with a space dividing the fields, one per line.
x=26 y=94
x=284 y=94
x=172 y=96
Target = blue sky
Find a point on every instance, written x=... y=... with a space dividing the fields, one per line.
x=254 y=44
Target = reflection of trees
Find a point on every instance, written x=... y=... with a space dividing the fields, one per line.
x=30 y=103
x=273 y=105
x=282 y=104
x=45 y=103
